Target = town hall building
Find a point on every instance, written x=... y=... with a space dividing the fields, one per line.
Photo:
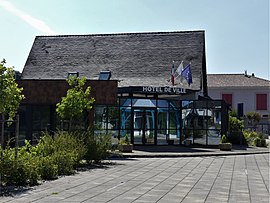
x=150 y=86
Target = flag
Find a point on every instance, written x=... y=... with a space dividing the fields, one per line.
x=186 y=73
x=179 y=69
x=172 y=74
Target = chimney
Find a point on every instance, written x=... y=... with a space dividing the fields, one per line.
x=246 y=73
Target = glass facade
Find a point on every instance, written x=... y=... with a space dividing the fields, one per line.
x=162 y=122
x=147 y=121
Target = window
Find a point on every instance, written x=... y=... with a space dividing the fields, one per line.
x=73 y=74
x=227 y=98
x=105 y=75
x=261 y=101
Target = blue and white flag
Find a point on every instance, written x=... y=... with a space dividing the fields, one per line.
x=179 y=70
x=186 y=73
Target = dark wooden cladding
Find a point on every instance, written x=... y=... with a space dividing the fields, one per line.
x=51 y=91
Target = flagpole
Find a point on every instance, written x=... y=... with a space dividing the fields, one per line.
x=172 y=73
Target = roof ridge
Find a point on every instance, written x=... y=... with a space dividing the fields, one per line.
x=261 y=78
x=225 y=73
x=220 y=74
x=120 y=34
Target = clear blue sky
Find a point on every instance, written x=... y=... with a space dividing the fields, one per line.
x=237 y=31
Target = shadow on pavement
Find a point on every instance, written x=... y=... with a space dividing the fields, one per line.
x=13 y=190
x=175 y=149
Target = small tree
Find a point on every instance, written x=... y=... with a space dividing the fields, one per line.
x=10 y=95
x=76 y=100
x=253 y=118
x=236 y=127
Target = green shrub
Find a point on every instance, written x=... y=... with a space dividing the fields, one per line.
x=235 y=131
x=21 y=170
x=126 y=139
x=224 y=139
x=235 y=124
x=65 y=150
x=233 y=113
x=46 y=146
x=254 y=138
x=65 y=162
x=72 y=144
x=249 y=136
x=30 y=162
x=11 y=169
x=257 y=141
x=263 y=142
x=253 y=116
x=97 y=146
x=48 y=168
x=52 y=156
x=104 y=145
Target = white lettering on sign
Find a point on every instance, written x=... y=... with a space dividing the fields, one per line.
x=144 y=89
x=170 y=90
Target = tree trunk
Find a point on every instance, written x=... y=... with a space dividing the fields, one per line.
x=17 y=135
x=2 y=131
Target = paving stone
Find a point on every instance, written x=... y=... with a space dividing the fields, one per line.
x=236 y=178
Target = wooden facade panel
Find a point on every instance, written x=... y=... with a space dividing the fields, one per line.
x=51 y=91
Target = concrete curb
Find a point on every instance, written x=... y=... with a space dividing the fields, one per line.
x=189 y=155
x=172 y=152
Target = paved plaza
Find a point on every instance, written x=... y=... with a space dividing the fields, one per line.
x=235 y=178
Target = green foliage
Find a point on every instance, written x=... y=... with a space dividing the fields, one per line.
x=235 y=131
x=235 y=124
x=65 y=151
x=254 y=138
x=52 y=156
x=76 y=100
x=48 y=168
x=97 y=146
x=45 y=146
x=11 y=94
x=253 y=117
x=224 y=139
x=20 y=171
x=257 y=141
x=125 y=141
x=233 y=113
x=65 y=162
x=70 y=143
x=262 y=143
x=49 y=158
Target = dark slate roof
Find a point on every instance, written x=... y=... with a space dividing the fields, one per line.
x=135 y=59
x=236 y=81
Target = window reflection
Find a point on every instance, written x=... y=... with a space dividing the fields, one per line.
x=199 y=121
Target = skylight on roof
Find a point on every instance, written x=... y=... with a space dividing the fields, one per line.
x=73 y=74
x=104 y=75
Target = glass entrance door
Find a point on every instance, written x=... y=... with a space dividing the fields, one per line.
x=144 y=126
